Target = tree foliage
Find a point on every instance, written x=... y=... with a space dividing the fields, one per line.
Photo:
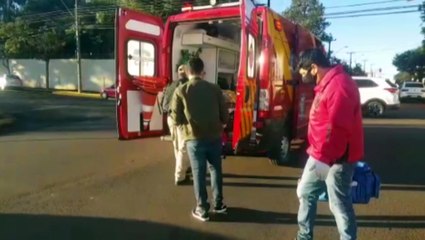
x=310 y=15
x=412 y=62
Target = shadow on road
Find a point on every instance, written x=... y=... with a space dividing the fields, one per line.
x=244 y=215
x=46 y=227
x=397 y=155
x=239 y=176
x=259 y=185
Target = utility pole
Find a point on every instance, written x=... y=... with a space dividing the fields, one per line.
x=364 y=65
x=351 y=59
x=268 y=3
x=78 y=50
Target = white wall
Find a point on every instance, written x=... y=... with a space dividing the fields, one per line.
x=32 y=72
x=63 y=74
x=97 y=74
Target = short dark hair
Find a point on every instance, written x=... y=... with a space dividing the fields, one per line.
x=313 y=56
x=196 y=65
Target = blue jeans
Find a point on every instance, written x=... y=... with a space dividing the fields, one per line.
x=338 y=184
x=200 y=153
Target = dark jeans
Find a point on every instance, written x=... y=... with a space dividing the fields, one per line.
x=200 y=153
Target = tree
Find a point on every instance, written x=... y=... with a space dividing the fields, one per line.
x=412 y=62
x=47 y=45
x=15 y=41
x=358 y=70
x=310 y=15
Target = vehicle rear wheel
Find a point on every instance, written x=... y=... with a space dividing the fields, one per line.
x=375 y=108
x=280 y=152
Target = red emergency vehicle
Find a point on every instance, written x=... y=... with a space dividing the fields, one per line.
x=249 y=47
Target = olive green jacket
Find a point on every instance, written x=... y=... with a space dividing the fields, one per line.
x=198 y=108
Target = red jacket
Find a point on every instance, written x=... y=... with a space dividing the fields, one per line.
x=336 y=119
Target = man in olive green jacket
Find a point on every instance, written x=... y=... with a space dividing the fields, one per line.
x=198 y=108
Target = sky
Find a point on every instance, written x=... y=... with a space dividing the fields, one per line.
x=375 y=40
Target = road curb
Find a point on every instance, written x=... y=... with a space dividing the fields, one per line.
x=76 y=94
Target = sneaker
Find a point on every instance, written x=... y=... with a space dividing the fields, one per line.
x=220 y=209
x=204 y=217
x=185 y=181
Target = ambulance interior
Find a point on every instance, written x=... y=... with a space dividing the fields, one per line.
x=218 y=43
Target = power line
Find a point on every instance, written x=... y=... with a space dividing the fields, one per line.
x=372 y=10
x=69 y=11
x=373 y=14
x=365 y=4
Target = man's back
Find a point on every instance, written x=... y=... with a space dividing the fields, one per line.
x=204 y=109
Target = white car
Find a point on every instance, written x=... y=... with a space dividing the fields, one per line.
x=377 y=95
x=412 y=90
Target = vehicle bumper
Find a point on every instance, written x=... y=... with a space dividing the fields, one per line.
x=412 y=96
x=393 y=106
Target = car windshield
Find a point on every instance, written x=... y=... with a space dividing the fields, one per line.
x=414 y=85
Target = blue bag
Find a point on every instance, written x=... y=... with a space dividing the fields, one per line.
x=366 y=185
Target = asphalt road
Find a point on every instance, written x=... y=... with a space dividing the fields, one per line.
x=64 y=175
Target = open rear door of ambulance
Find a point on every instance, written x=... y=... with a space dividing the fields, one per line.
x=247 y=79
x=138 y=46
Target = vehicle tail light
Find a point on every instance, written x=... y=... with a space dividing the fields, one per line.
x=264 y=103
x=392 y=90
x=264 y=100
x=263 y=114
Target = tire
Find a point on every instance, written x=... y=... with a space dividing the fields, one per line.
x=375 y=108
x=280 y=152
x=104 y=96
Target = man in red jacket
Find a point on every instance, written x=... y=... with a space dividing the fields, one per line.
x=335 y=135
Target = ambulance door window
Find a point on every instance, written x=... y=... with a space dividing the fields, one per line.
x=140 y=58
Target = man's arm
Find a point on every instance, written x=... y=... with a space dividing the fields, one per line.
x=177 y=108
x=341 y=108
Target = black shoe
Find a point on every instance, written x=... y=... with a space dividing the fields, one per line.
x=182 y=182
x=185 y=181
x=204 y=217
x=220 y=209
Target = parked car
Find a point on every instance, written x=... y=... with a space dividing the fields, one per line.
x=9 y=80
x=109 y=92
x=412 y=90
x=377 y=95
